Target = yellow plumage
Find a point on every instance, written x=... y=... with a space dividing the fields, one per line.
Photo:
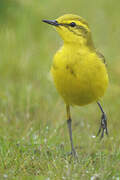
x=79 y=73
x=78 y=69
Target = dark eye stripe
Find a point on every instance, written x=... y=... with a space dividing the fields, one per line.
x=74 y=31
x=76 y=27
x=83 y=28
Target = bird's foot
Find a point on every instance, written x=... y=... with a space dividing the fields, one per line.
x=103 y=126
x=73 y=153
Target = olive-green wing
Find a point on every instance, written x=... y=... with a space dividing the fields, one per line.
x=101 y=57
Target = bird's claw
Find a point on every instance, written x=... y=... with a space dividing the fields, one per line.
x=73 y=154
x=103 y=126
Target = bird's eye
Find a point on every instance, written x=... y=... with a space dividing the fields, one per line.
x=72 y=24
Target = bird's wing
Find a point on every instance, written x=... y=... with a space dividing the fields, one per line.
x=101 y=56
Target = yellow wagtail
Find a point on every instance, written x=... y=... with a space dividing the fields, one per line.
x=78 y=69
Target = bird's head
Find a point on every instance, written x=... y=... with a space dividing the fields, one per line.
x=72 y=29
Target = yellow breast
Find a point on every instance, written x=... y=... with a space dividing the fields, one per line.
x=80 y=75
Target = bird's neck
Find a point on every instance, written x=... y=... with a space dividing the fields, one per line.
x=80 y=44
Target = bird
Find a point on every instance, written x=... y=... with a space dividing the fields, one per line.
x=78 y=69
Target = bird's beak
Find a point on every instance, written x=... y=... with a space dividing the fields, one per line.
x=52 y=22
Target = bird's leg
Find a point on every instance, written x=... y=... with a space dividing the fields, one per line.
x=103 y=124
x=69 y=123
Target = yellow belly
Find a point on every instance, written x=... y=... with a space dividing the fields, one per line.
x=80 y=82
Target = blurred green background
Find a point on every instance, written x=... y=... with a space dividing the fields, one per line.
x=33 y=131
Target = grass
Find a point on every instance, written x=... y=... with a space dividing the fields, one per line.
x=33 y=132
